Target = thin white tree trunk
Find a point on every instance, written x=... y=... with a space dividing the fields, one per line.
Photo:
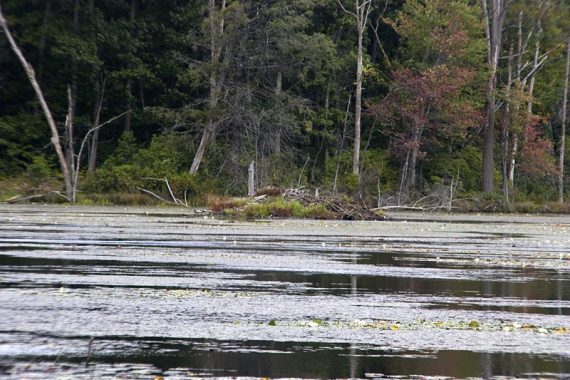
x=362 y=9
x=67 y=175
x=358 y=102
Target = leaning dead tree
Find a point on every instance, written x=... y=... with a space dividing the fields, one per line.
x=55 y=138
x=70 y=162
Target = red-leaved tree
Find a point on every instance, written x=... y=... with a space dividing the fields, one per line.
x=422 y=111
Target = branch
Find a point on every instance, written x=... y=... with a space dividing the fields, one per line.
x=379 y=42
x=153 y=194
x=487 y=28
x=170 y=191
x=78 y=157
x=346 y=10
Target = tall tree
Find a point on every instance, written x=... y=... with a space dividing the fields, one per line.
x=361 y=13
x=429 y=101
x=494 y=17
x=562 y=146
x=217 y=77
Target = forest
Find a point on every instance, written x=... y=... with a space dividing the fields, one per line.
x=391 y=102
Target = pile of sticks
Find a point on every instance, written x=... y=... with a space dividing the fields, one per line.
x=345 y=209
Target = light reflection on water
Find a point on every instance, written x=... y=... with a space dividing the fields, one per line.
x=91 y=295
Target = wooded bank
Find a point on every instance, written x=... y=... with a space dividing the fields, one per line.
x=388 y=102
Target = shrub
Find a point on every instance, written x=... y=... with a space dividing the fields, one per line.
x=38 y=172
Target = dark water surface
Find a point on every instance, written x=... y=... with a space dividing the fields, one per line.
x=137 y=293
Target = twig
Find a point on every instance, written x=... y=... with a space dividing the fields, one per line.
x=303 y=170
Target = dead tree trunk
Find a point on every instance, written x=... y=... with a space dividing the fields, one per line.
x=506 y=133
x=514 y=137
x=494 y=30
x=278 y=89
x=72 y=102
x=42 y=47
x=99 y=91
x=129 y=85
x=563 y=129
x=217 y=77
x=67 y=175
x=361 y=13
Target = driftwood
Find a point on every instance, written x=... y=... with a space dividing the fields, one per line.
x=35 y=197
x=345 y=209
x=175 y=201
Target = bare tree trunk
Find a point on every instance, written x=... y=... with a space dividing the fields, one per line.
x=404 y=180
x=505 y=132
x=533 y=77
x=358 y=102
x=97 y=103
x=278 y=89
x=361 y=13
x=99 y=91
x=494 y=30
x=129 y=85
x=341 y=144
x=217 y=77
x=563 y=129
x=47 y=15
x=48 y=115
x=72 y=104
x=251 y=179
x=70 y=154
x=412 y=161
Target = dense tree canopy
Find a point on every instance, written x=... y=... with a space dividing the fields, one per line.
x=196 y=90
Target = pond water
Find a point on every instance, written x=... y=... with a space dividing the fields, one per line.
x=101 y=292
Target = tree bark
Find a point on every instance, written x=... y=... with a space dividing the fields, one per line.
x=278 y=89
x=361 y=13
x=251 y=179
x=42 y=47
x=72 y=100
x=358 y=102
x=494 y=30
x=97 y=102
x=129 y=85
x=217 y=77
x=47 y=113
x=96 y=120
x=505 y=132
x=563 y=128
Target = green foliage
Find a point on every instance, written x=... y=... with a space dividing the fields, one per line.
x=161 y=66
x=464 y=166
x=273 y=207
x=20 y=137
x=38 y=172
x=377 y=173
x=126 y=150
